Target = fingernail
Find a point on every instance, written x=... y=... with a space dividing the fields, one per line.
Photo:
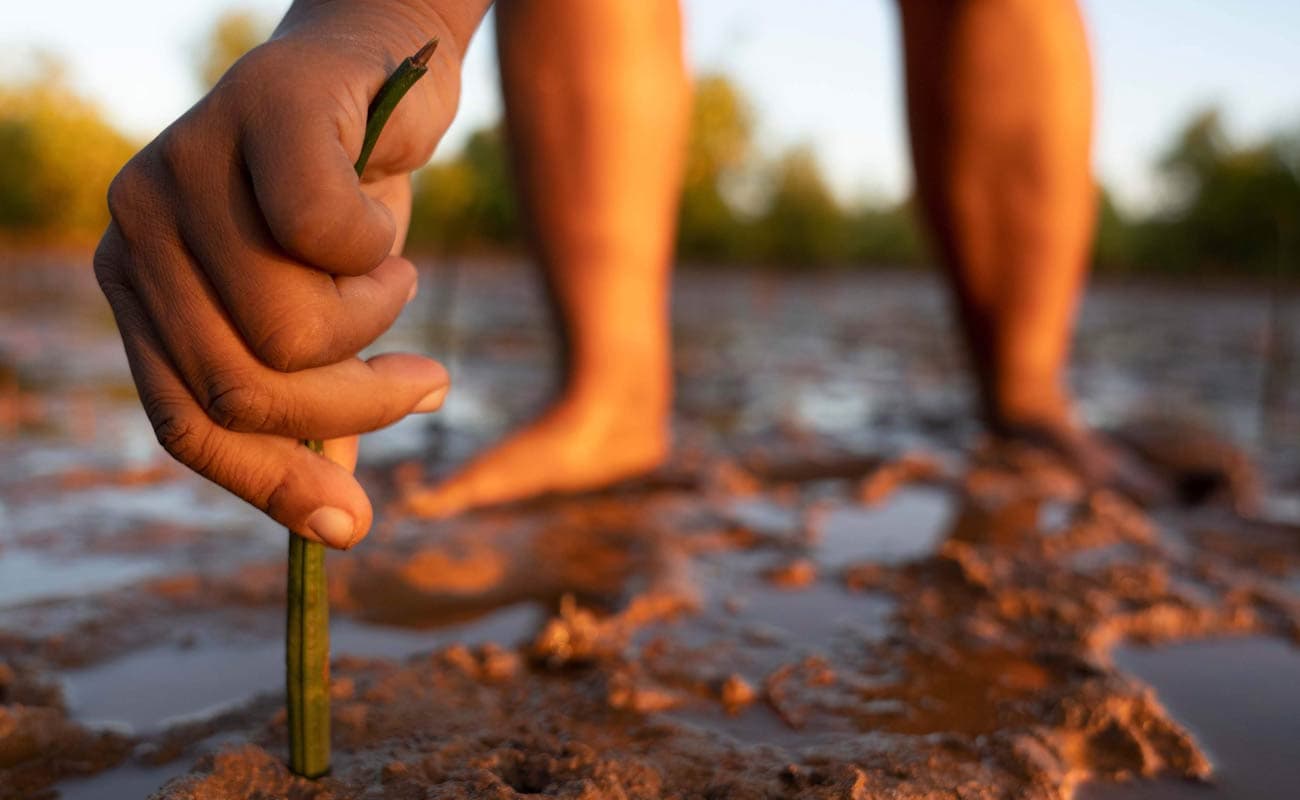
x=415 y=287
x=431 y=402
x=332 y=526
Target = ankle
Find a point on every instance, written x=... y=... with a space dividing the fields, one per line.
x=636 y=389
x=1028 y=405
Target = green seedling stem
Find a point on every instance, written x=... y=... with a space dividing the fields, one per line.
x=307 y=637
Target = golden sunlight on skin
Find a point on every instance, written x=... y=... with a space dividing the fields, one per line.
x=596 y=106
x=1000 y=110
x=1000 y=106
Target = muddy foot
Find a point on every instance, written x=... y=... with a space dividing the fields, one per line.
x=570 y=448
x=1098 y=462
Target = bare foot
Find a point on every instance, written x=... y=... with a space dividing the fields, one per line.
x=572 y=447
x=1096 y=461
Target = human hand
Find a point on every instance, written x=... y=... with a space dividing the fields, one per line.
x=247 y=266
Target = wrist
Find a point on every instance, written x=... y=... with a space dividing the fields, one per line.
x=395 y=24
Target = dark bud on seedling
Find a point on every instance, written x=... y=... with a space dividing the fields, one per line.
x=423 y=55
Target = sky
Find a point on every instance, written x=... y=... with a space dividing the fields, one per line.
x=828 y=75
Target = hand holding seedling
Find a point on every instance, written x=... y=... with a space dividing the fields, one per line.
x=247 y=265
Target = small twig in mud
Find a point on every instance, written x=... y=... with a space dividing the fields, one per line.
x=307 y=646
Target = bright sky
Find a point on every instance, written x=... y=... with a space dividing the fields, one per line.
x=828 y=74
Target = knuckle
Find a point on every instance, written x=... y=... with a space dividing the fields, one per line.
x=135 y=201
x=105 y=268
x=307 y=231
x=176 y=150
x=235 y=402
x=126 y=190
x=277 y=492
x=295 y=342
x=180 y=435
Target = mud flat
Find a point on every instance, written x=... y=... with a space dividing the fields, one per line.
x=725 y=636
x=799 y=605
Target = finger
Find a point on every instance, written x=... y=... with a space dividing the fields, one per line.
x=343 y=451
x=239 y=393
x=304 y=491
x=309 y=193
x=395 y=193
x=292 y=316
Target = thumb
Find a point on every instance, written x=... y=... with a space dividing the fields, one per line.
x=309 y=193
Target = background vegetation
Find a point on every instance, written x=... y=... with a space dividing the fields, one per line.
x=1232 y=207
x=57 y=155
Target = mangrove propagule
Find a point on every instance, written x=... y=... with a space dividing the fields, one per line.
x=307 y=638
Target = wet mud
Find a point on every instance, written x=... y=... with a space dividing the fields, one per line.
x=790 y=608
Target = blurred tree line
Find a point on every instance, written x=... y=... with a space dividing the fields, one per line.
x=1233 y=207
x=737 y=207
x=57 y=155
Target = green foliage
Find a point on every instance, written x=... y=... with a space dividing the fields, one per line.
x=719 y=147
x=803 y=224
x=884 y=235
x=1235 y=208
x=1114 y=243
x=233 y=34
x=1242 y=203
x=57 y=157
x=466 y=203
x=721 y=138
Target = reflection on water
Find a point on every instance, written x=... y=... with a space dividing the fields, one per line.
x=147 y=690
x=907 y=527
x=131 y=782
x=866 y=361
x=27 y=576
x=1241 y=700
x=110 y=509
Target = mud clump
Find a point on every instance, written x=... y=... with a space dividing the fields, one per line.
x=246 y=771
x=955 y=641
x=39 y=745
x=794 y=574
x=990 y=677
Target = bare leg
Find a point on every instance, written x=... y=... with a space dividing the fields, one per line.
x=596 y=105
x=1000 y=106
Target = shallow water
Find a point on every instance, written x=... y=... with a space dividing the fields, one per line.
x=132 y=782
x=877 y=612
x=27 y=576
x=151 y=689
x=906 y=528
x=1241 y=699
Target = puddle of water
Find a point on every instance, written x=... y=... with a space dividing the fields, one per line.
x=908 y=526
x=131 y=782
x=150 y=689
x=763 y=516
x=1241 y=700
x=115 y=508
x=759 y=725
x=1292 y=584
x=26 y=576
x=821 y=619
x=1099 y=558
x=816 y=617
